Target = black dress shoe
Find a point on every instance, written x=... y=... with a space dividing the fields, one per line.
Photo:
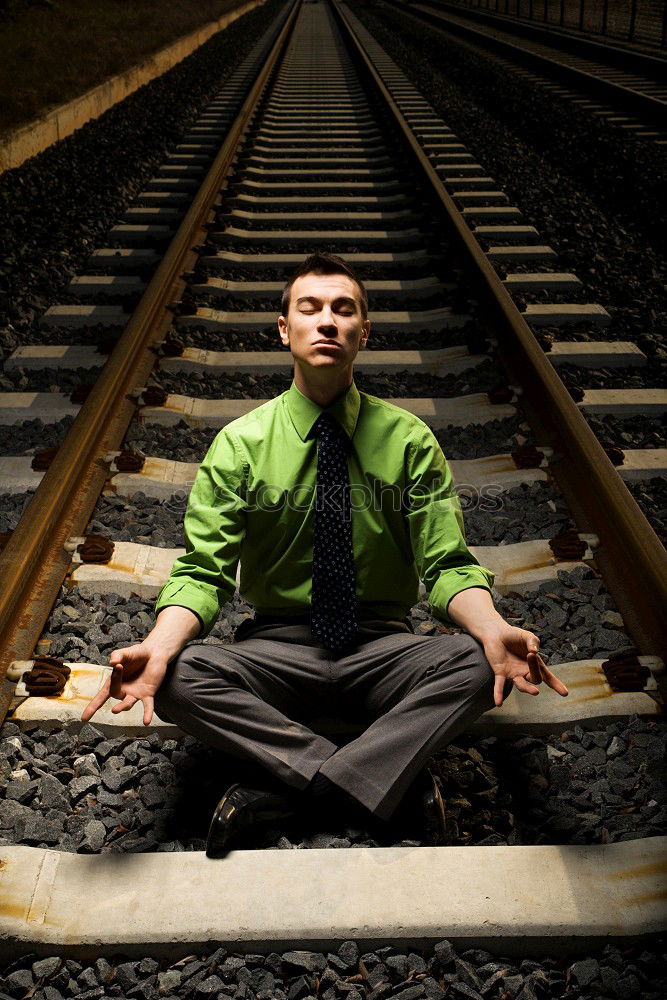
x=243 y=813
x=422 y=809
x=433 y=811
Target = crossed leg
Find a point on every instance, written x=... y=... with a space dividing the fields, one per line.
x=253 y=699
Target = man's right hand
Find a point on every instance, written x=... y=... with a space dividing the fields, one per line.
x=137 y=674
x=139 y=670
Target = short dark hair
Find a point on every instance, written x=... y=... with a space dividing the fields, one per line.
x=324 y=263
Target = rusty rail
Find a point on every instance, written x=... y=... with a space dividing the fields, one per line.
x=34 y=563
x=631 y=556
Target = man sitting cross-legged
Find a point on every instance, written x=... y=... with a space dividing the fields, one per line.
x=336 y=502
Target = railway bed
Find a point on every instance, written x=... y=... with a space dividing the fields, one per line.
x=626 y=88
x=65 y=848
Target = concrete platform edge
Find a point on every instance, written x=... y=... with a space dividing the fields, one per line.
x=19 y=144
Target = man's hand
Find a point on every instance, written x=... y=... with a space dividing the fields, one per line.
x=139 y=670
x=137 y=674
x=514 y=653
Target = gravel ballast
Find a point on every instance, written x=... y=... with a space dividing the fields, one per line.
x=91 y=794
x=206 y=385
x=416 y=267
x=640 y=431
x=32 y=435
x=651 y=496
x=268 y=339
x=444 y=972
x=12 y=506
x=47 y=379
x=652 y=376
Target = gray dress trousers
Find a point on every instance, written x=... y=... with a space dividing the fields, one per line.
x=409 y=694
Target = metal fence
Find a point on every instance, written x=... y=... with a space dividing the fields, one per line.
x=641 y=21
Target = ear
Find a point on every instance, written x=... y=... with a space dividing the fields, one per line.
x=365 y=331
x=282 y=329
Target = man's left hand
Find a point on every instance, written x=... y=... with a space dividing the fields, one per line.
x=513 y=654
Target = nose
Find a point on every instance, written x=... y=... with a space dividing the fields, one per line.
x=327 y=318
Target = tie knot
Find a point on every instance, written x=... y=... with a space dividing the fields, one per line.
x=326 y=424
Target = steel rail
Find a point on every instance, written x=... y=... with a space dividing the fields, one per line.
x=34 y=562
x=649 y=108
x=610 y=51
x=631 y=556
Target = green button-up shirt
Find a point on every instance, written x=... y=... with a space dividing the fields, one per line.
x=253 y=499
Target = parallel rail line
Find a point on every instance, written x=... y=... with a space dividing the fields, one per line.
x=601 y=73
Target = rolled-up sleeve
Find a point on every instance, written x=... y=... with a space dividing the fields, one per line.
x=204 y=577
x=433 y=511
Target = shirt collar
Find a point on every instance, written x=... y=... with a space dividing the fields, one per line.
x=304 y=412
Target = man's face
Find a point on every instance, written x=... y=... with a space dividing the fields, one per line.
x=324 y=326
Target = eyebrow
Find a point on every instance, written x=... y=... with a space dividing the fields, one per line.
x=315 y=301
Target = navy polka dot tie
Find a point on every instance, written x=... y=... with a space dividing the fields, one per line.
x=334 y=598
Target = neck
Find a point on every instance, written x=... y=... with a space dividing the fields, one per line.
x=323 y=386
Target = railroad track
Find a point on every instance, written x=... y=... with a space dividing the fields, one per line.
x=626 y=89
x=332 y=147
